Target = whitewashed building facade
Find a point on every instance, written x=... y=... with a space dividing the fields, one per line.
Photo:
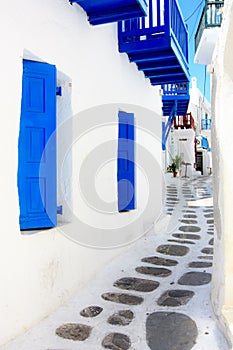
x=81 y=143
x=215 y=50
x=222 y=79
x=40 y=269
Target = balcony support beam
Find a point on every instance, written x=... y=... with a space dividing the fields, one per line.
x=166 y=126
x=108 y=11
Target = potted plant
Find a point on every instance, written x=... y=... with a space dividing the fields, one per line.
x=175 y=165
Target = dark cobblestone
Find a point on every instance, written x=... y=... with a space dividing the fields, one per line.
x=186 y=236
x=211 y=241
x=155 y=260
x=116 y=341
x=205 y=257
x=186 y=221
x=74 y=331
x=207 y=250
x=122 y=298
x=137 y=284
x=170 y=331
x=195 y=278
x=209 y=215
x=175 y=297
x=189 y=229
x=176 y=250
x=153 y=271
x=200 y=264
x=91 y=311
x=181 y=241
x=121 y=318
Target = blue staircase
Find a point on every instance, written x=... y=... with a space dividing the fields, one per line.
x=106 y=11
x=175 y=92
x=175 y=101
x=158 y=43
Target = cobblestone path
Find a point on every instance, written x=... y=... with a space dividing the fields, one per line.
x=155 y=296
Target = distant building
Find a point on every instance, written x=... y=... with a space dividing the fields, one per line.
x=222 y=97
x=200 y=109
x=216 y=51
x=190 y=135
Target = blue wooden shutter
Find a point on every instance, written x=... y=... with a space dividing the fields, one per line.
x=36 y=162
x=125 y=169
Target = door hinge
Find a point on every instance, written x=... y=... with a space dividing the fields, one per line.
x=59 y=210
x=58 y=91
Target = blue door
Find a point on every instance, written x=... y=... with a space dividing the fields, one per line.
x=36 y=147
x=125 y=169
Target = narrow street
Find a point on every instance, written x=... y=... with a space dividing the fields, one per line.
x=155 y=296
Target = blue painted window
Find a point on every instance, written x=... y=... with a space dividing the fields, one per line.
x=126 y=168
x=204 y=142
x=206 y=124
x=37 y=147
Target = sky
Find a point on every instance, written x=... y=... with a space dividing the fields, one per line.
x=197 y=70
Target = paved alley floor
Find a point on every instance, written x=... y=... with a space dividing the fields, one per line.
x=155 y=296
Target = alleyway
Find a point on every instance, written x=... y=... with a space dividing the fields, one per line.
x=155 y=296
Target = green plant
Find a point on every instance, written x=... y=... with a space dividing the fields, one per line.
x=176 y=164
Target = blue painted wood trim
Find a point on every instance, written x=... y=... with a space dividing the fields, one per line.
x=59 y=91
x=60 y=210
x=166 y=127
x=107 y=11
x=125 y=162
x=167 y=16
x=37 y=147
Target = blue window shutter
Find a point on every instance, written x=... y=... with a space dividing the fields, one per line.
x=37 y=147
x=126 y=168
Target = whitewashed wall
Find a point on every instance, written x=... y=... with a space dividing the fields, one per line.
x=40 y=271
x=199 y=106
x=222 y=95
x=181 y=143
x=184 y=138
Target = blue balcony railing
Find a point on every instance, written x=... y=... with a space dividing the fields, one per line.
x=206 y=124
x=211 y=17
x=175 y=89
x=106 y=11
x=158 y=43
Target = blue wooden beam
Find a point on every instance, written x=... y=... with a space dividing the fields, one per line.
x=172 y=68
x=166 y=127
x=163 y=72
x=167 y=80
x=153 y=63
x=151 y=57
x=107 y=11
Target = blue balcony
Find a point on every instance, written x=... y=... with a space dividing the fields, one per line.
x=208 y=30
x=175 y=93
x=158 y=44
x=206 y=124
x=106 y=11
x=175 y=101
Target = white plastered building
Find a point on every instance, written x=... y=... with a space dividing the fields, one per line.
x=222 y=83
x=41 y=269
